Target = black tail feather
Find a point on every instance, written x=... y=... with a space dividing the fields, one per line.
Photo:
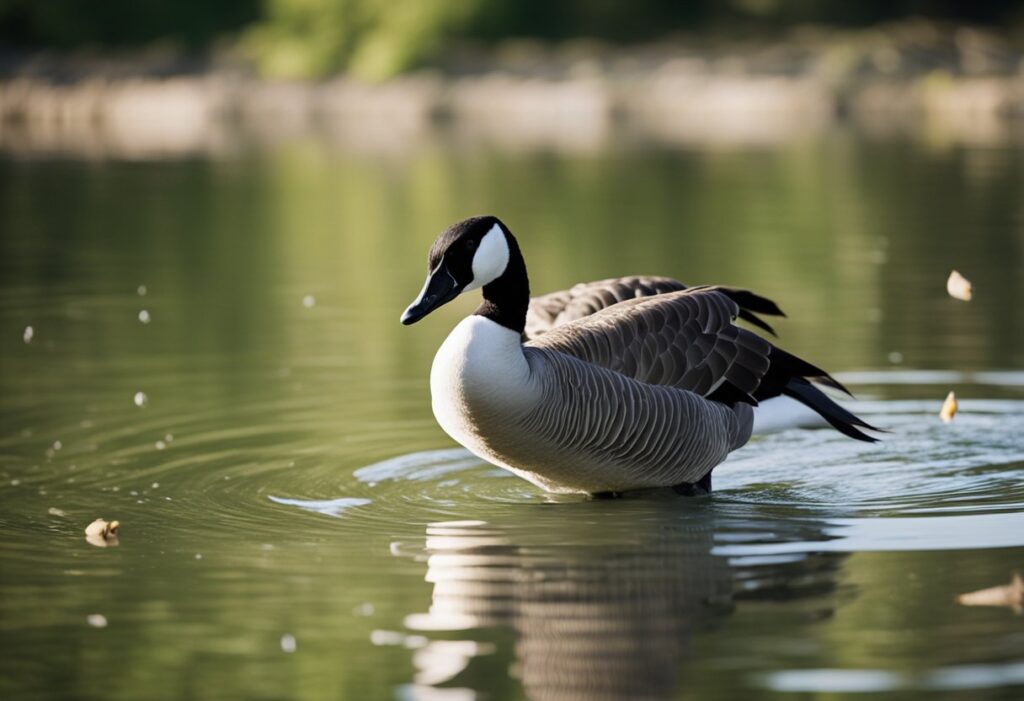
x=748 y=300
x=749 y=303
x=840 y=419
x=750 y=318
x=787 y=365
x=790 y=375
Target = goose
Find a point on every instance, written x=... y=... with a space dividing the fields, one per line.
x=610 y=387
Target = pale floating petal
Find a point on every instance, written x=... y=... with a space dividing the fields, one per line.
x=949 y=408
x=959 y=287
x=102 y=533
x=1010 y=595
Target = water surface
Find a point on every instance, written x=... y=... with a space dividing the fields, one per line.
x=295 y=525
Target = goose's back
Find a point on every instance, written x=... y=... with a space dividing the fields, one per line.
x=556 y=308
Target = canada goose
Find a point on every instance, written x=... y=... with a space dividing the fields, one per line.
x=619 y=385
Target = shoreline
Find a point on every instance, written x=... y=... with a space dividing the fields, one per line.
x=969 y=82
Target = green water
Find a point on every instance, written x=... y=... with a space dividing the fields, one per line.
x=296 y=526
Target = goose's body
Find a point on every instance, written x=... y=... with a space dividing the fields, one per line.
x=621 y=384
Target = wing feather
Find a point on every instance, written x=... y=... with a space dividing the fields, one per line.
x=684 y=339
x=584 y=299
x=556 y=308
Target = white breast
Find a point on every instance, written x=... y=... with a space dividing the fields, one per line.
x=479 y=376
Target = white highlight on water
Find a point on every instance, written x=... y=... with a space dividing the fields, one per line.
x=144 y=316
x=327 y=507
x=781 y=413
x=141 y=399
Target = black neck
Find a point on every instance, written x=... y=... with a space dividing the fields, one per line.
x=507 y=298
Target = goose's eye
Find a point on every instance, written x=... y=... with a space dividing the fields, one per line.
x=470 y=244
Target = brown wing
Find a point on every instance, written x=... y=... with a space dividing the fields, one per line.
x=586 y=298
x=683 y=339
x=556 y=308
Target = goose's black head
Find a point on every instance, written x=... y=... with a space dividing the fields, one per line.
x=473 y=253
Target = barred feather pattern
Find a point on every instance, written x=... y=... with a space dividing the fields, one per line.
x=598 y=430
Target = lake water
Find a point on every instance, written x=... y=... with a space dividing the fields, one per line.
x=294 y=525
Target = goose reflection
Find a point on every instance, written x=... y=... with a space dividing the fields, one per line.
x=600 y=609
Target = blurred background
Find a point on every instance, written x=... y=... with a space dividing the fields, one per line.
x=144 y=78
x=213 y=213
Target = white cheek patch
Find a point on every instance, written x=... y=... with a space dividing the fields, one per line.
x=491 y=258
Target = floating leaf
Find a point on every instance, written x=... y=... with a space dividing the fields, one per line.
x=949 y=408
x=102 y=533
x=1010 y=595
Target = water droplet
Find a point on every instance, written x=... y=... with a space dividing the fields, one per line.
x=141 y=399
x=169 y=437
x=29 y=333
x=288 y=643
x=57 y=445
x=414 y=642
x=160 y=445
x=386 y=637
x=199 y=556
x=156 y=485
x=141 y=290
x=309 y=301
x=97 y=620
x=144 y=316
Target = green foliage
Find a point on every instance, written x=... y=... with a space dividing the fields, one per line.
x=66 y=24
x=379 y=38
x=372 y=38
